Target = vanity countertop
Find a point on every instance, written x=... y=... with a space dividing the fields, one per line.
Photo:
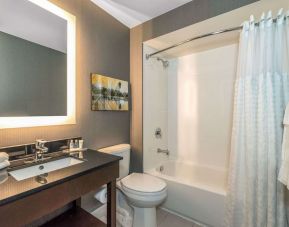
x=11 y=189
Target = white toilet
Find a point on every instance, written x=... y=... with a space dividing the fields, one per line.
x=143 y=192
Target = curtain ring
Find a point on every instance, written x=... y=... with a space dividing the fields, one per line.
x=280 y=17
x=252 y=22
x=269 y=19
x=280 y=13
x=246 y=25
x=262 y=20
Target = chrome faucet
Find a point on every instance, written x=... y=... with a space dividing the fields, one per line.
x=167 y=152
x=40 y=149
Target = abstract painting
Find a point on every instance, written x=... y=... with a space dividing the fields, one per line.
x=108 y=93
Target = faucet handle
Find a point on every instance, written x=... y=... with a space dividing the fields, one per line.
x=40 y=149
x=40 y=143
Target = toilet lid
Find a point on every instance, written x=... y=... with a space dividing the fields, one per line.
x=143 y=183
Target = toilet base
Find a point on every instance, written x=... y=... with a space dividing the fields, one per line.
x=144 y=217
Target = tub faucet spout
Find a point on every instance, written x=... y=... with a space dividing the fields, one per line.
x=167 y=152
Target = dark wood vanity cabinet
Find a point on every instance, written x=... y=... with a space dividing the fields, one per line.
x=30 y=208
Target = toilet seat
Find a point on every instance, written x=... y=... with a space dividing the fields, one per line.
x=143 y=184
x=129 y=191
x=143 y=190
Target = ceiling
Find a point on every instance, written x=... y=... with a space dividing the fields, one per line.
x=45 y=28
x=134 y=12
x=227 y=20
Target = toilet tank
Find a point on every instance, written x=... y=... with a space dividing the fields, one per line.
x=122 y=150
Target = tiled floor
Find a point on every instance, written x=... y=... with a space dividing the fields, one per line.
x=166 y=219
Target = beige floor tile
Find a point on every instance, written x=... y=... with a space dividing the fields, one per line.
x=172 y=220
x=161 y=215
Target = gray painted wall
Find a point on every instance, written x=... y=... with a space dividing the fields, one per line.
x=102 y=47
x=188 y=14
x=32 y=79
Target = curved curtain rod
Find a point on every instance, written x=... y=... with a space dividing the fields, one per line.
x=148 y=56
x=193 y=39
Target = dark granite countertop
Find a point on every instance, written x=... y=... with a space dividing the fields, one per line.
x=11 y=189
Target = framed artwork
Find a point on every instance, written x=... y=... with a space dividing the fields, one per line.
x=108 y=94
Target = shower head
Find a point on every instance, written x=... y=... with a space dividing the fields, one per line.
x=164 y=62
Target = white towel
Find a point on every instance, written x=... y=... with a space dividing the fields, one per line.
x=3 y=176
x=284 y=170
x=123 y=217
x=4 y=164
x=101 y=195
x=3 y=157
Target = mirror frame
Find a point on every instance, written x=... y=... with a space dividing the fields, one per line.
x=70 y=118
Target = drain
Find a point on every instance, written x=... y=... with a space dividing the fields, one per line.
x=41 y=179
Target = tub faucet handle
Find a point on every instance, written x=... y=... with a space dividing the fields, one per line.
x=167 y=152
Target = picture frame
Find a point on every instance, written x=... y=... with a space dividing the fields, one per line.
x=109 y=94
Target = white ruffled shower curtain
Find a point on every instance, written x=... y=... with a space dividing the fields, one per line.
x=255 y=197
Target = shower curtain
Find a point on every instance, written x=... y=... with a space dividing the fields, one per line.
x=255 y=197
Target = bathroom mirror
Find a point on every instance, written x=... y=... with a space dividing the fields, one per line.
x=37 y=64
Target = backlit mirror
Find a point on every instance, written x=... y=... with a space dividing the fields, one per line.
x=37 y=64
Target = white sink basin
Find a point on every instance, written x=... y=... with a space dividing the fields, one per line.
x=32 y=171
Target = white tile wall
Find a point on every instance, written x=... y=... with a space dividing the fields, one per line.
x=200 y=105
x=155 y=107
x=192 y=101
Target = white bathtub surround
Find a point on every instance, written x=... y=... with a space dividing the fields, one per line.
x=200 y=103
x=193 y=103
x=255 y=197
x=155 y=106
x=196 y=192
x=283 y=175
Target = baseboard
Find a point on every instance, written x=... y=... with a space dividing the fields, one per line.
x=184 y=217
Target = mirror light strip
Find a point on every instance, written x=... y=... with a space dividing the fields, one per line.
x=19 y=122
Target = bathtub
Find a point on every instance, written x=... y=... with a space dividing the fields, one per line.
x=196 y=192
